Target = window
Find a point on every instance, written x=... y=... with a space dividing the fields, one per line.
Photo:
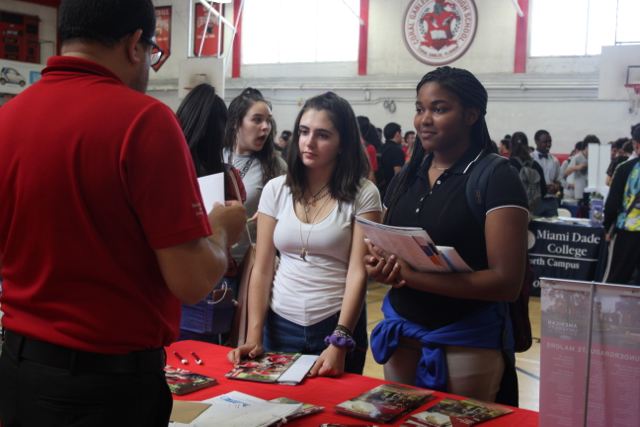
x=285 y=31
x=582 y=27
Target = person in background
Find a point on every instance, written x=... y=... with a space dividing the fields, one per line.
x=622 y=219
x=203 y=118
x=551 y=167
x=577 y=169
x=391 y=155
x=503 y=148
x=519 y=138
x=620 y=152
x=445 y=331
x=254 y=155
x=633 y=129
x=283 y=143
x=308 y=216
x=369 y=138
x=519 y=158
x=409 y=140
x=102 y=229
x=566 y=180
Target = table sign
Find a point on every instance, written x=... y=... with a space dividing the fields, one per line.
x=601 y=355
x=565 y=251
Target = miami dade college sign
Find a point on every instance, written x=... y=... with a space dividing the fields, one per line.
x=438 y=32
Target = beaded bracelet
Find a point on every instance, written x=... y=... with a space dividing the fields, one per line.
x=343 y=331
x=340 y=341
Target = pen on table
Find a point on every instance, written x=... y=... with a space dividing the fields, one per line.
x=182 y=359
x=195 y=356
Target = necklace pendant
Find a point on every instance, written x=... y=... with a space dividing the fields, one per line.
x=313 y=203
x=306 y=208
x=303 y=254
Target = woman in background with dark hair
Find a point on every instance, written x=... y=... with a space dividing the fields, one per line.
x=249 y=132
x=369 y=137
x=314 y=302
x=520 y=138
x=519 y=157
x=451 y=332
x=283 y=143
x=203 y=118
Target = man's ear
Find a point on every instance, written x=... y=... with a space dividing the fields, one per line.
x=135 y=51
x=471 y=115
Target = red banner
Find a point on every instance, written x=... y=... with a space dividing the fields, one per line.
x=163 y=33
x=207 y=23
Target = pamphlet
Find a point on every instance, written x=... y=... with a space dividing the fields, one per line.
x=236 y=409
x=282 y=368
x=181 y=381
x=384 y=403
x=415 y=246
x=305 y=409
x=453 y=412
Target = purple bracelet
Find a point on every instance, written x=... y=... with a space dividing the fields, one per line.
x=339 y=341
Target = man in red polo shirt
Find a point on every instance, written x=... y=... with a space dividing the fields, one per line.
x=102 y=229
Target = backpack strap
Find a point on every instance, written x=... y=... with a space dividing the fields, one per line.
x=476 y=192
x=476 y=189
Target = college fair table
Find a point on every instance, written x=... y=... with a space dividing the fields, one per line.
x=321 y=391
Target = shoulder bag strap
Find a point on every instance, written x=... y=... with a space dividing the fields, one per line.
x=237 y=189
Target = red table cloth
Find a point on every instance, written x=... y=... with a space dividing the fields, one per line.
x=321 y=391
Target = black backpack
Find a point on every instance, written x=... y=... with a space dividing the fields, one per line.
x=531 y=180
x=476 y=191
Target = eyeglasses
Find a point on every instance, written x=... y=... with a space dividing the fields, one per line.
x=156 y=52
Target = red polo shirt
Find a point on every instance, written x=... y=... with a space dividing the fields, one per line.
x=93 y=177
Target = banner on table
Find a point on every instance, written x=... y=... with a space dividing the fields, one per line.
x=163 y=33
x=612 y=363
x=564 y=251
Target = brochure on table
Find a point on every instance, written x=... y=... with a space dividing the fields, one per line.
x=274 y=367
x=601 y=356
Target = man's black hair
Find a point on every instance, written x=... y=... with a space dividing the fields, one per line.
x=391 y=129
x=635 y=132
x=104 y=21
x=539 y=134
x=619 y=143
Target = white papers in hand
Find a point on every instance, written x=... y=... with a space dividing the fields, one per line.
x=404 y=244
x=415 y=246
x=212 y=190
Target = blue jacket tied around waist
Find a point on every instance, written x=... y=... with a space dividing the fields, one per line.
x=484 y=328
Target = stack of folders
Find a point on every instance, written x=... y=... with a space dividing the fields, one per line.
x=413 y=245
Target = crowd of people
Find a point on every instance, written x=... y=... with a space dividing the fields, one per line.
x=108 y=255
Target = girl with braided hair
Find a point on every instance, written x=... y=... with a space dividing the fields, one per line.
x=451 y=332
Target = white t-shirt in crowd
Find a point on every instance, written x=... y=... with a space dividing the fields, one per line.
x=307 y=292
